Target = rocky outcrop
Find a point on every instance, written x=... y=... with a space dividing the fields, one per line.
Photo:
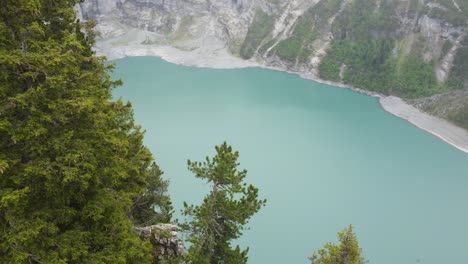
x=223 y=24
x=165 y=240
x=183 y=23
x=446 y=63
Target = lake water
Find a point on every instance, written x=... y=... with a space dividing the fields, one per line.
x=323 y=156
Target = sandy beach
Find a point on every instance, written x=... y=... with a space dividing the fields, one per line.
x=212 y=56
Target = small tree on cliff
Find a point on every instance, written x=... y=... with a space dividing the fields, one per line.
x=347 y=252
x=224 y=212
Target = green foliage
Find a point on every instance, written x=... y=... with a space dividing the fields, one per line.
x=365 y=42
x=449 y=12
x=153 y=205
x=461 y=117
x=414 y=78
x=459 y=75
x=224 y=212
x=446 y=48
x=370 y=64
x=444 y=10
x=298 y=47
x=366 y=62
x=415 y=7
x=260 y=28
x=324 y=10
x=463 y=4
x=347 y=252
x=72 y=162
x=363 y=21
x=453 y=17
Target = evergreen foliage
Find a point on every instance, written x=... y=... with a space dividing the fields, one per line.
x=298 y=47
x=224 y=212
x=257 y=33
x=73 y=170
x=460 y=117
x=449 y=12
x=153 y=205
x=366 y=43
x=364 y=20
x=370 y=64
x=347 y=252
x=459 y=75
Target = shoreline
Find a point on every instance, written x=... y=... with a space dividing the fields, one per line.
x=442 y=129
x=220 y=59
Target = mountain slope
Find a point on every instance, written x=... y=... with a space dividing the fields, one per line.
x=414 y=49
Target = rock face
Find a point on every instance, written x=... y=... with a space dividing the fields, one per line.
x=181 y=23
x=164 y=238
x=192 y=24
x=296 y=35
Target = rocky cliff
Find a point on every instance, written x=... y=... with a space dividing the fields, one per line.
x=165 y=240
x=415 y=49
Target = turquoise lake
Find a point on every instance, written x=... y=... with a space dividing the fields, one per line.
x=323 y=156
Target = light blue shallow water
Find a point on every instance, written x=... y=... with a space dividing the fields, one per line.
x=324 y=157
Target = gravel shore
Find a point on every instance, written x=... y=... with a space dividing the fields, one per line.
x=446 y=131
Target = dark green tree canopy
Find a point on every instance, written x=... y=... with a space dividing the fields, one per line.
x=72 y=162
x=224 y=212
x=347 y=252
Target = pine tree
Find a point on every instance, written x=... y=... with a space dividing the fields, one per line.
x=224 y=212
x=73 y=169
x=153 y=205
x=347 y=252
